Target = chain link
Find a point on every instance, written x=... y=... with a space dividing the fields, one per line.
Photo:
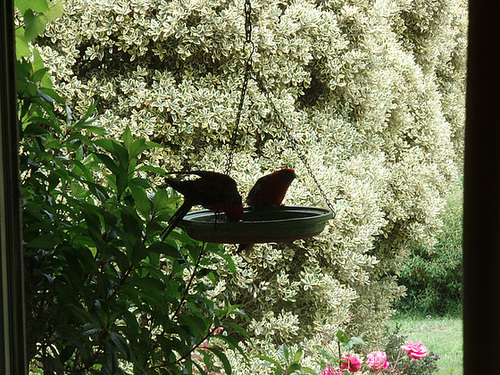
x=262 y=87
x=294 y=143
x=244 y=85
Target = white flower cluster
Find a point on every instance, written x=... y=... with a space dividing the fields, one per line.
x=372 y=91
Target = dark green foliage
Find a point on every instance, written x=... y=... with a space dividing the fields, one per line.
x=434 y=277
x=102 y=291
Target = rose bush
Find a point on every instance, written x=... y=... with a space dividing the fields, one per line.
x=352 y=364
x=415 y=350
x=377 y=360
x=399 y=357
x=331 y=371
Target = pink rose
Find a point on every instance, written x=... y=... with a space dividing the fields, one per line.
x=415 y=350
x=331 y=371
x=353 y=363
x=377 y=361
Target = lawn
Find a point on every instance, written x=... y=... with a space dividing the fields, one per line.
x=443 y=336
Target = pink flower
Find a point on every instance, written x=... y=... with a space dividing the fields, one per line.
x=415 y=350
x=331 y=371
x=353 y=363
x=377 y=361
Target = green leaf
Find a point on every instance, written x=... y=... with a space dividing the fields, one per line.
x=294 y=367
x=81 y=169
x=283 y=352
x=138 y=147
x=93 y=222
x=141 y=199
x=34 y=24
x=223 y=358
x=89 y=329
x=309 y=370
x=150 y=168
x=38 y=75
x=52 y=94
x=161 y=201
x=354 y=341
x=56 y=10
x=110 y=364
x=149 y=284
x=233 y=343
x=108 y=162
x=342 y=336
x=230 y=262
x=67 y=352
x=271 y=360
x=34 y=129
x=36 y=5
x=238 y=328
x=121 y=343
x=297 y=354
x=128 y=139
x=197 y=325
x=85 y=120
x=39 y=65
x=165 y=249
x=54 y=365
x=121 y=181
x=132 y=224
x=107 y=144
x=139 y=252
x=22 y=46
x=44 y=241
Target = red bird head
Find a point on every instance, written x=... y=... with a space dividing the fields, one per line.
x=287 y=174
x=234 y=212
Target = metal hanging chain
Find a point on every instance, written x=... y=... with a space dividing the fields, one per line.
x=260 y=83
x=244 y=85
x=293 y=141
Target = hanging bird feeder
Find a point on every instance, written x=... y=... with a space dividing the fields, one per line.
x=260 y=224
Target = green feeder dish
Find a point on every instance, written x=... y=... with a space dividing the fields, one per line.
x=258 y=225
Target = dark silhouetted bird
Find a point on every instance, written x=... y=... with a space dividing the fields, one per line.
x=268 y=191
x=214 y=191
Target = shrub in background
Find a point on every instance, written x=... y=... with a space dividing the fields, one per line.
x=433 y=276
x=411 y=362
x=361 y=85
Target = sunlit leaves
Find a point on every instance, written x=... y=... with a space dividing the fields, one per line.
x=36 y=14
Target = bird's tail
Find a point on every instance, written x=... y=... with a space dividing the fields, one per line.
x=176 y=219
x=248 y=247
x=177 y=185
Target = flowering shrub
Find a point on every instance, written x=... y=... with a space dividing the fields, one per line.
x=350 y=363
x=414 y=358
x=415 y=350
x=408 y=358
x=331 y=371
x=377 y=360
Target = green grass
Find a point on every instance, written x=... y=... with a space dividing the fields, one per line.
x=443 y=336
